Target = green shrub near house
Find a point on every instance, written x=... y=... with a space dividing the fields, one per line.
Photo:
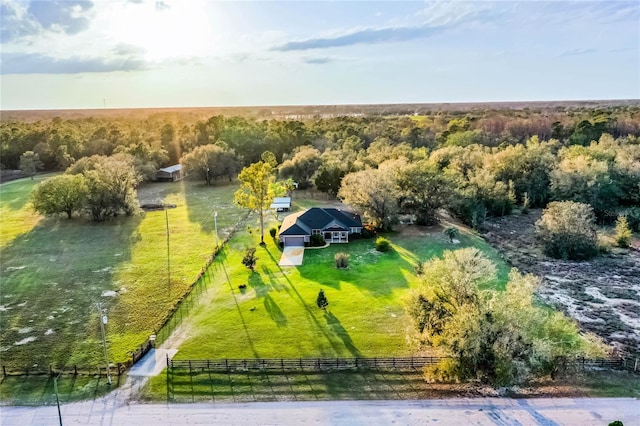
x=382 y=244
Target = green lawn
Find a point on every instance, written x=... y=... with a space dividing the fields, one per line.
x=53 y=270
x=363 y=384
x=40 y=390
x=276 y=316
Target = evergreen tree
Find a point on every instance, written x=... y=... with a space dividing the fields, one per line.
x=322 y=301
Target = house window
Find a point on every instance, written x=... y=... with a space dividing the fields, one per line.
x=315 y=232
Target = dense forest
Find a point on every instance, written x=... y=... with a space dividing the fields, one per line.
x=478 y=162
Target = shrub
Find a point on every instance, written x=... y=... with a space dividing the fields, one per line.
x=451 y=232
x=342 y=260
x=249 y=260
x=382 y=244
x=604 y=244
x=316 y=240
x=273 y=232
x=623 y=233
x=567 y=230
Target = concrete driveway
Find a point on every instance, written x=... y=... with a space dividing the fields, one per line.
x=292 y=256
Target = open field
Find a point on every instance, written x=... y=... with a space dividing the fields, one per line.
x=602 y=294
x=276 y=315
x=54 y=271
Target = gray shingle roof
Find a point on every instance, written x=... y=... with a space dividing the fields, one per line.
x=318 y=218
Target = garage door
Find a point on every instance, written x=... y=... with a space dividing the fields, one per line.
x=294 y=242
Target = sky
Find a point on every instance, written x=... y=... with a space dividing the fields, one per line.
x=189 y=53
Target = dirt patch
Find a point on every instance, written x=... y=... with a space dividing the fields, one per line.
x=602 y=294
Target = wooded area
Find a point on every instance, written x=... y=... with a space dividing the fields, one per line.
x=477 y=162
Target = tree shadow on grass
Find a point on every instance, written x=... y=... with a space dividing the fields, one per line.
x=274 y=311
x=335 y=325
x=262 y=292
x=235 y=299
x=310 y=315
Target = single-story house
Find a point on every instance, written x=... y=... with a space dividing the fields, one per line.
x=281 y=204
x=170 y=174
x=334 y=225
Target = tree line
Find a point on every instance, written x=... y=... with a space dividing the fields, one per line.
x=477 y=164
x=163 y=139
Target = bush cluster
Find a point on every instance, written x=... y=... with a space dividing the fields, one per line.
x=568 y=231
x=382 y=244
x=317 y=240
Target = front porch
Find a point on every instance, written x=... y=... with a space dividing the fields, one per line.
x=336 y=236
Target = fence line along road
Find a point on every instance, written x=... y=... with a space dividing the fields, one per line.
x=307 y=364
x=329 y=364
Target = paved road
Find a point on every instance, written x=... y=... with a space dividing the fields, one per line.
x=461 y=411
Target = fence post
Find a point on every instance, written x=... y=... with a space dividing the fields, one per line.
x=167 y=379
x=4 y=372
x=356 y=363
x=75 y=369
x=635 y=367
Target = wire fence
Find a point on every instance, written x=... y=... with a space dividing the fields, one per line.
x=185 y=304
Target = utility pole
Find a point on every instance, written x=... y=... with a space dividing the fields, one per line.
x=215 y=221
x=166 y=217
x=103 y=322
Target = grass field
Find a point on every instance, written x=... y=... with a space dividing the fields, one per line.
x=276 y=315
x=54 y=271
x=40 y=390
x=265 y=386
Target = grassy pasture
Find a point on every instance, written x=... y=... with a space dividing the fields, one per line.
x=276 y=315
x=53 y=270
